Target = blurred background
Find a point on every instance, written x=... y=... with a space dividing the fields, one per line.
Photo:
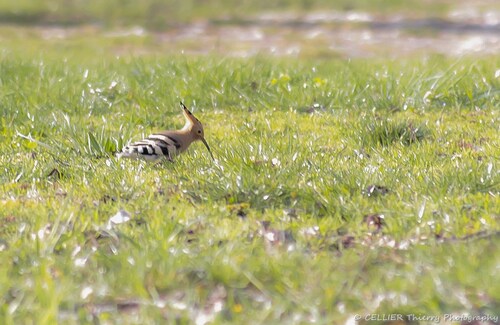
x=318 y=28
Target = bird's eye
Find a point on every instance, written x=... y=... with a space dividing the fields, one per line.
x=199 y=131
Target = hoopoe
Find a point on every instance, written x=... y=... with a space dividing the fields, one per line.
x=167 y=144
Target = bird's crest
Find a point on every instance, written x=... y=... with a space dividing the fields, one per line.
x=190 y=118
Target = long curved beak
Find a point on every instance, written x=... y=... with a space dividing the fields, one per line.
x=208 y=147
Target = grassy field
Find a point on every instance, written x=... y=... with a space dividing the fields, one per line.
x=342 y=190
x=339 y=188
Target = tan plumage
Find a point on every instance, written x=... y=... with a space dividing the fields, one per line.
x=168 y=144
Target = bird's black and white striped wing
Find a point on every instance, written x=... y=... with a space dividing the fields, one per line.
x=154 y=147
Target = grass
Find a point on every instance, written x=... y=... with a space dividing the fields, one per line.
x=156 y=14
x=340 y=188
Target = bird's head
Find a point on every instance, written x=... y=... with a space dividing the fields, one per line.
x=195 y=128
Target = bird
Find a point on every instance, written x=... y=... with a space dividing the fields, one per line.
x=167 y=144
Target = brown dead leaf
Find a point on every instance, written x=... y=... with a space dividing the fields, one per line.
x=348 y=241
x=374 y=221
